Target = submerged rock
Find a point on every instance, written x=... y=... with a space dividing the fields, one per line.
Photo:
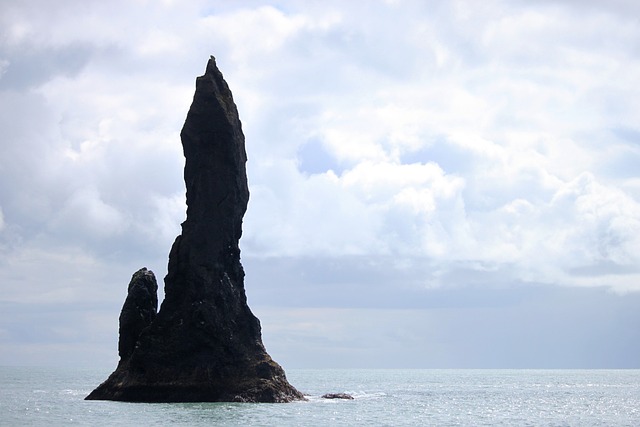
x=337 y=396
x=205 y=344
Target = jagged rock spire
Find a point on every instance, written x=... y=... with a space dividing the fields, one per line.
x=204 y=344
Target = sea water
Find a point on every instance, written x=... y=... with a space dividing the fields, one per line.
x=53 y=397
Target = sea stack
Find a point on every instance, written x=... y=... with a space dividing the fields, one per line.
x=205 y=344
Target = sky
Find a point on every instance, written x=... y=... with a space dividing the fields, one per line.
x=434 y=184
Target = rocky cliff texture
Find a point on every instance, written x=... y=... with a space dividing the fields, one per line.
x=204 y=345
x=139 y=310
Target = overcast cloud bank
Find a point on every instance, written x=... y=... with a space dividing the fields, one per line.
x=414 y=167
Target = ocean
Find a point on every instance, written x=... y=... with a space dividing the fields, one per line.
x=388 y=397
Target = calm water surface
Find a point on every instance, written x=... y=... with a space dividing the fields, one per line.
x=46 y=396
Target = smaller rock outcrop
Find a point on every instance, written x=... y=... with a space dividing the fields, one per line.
x=337 y=396
x=139 y=310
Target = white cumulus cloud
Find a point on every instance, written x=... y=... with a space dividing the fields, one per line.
x=395 y=148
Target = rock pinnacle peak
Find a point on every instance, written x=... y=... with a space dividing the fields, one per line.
x=204 y=344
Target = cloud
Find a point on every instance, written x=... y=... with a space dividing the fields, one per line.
x=506 y=329
x=395 y=148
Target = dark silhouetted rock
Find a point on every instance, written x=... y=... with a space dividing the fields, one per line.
x=138 y=311
x=204 y=344
x=337 y=396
